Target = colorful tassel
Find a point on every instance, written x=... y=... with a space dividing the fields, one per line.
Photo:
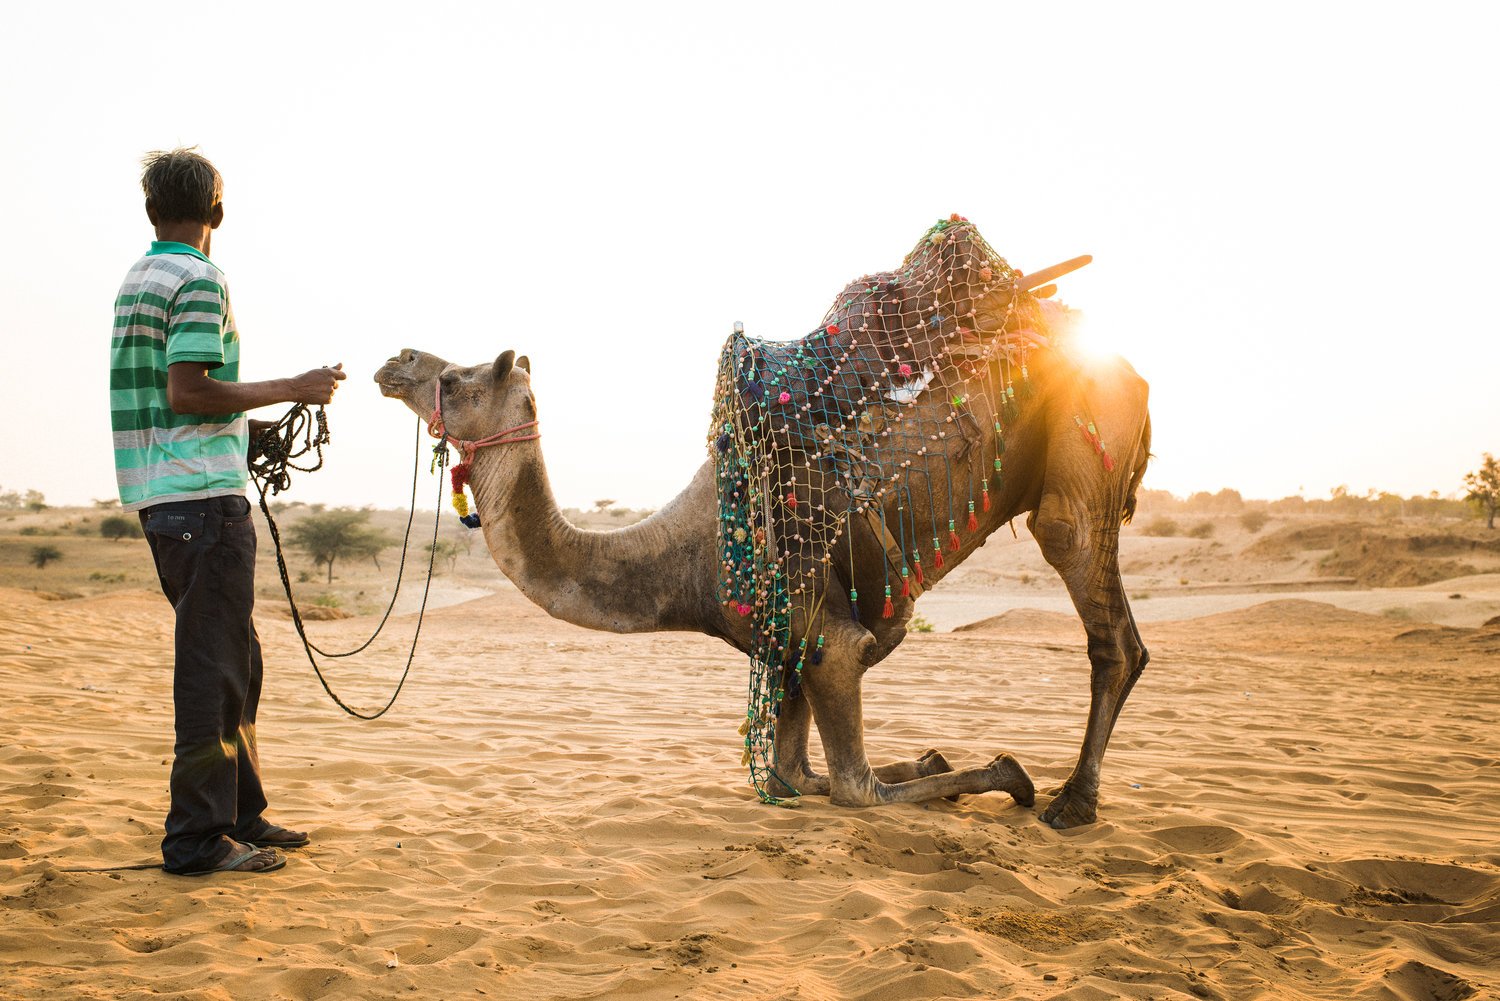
x=817 y=654
x=854 y=604
x=889 y=611
x=905 y=583
x=973 y=521
x=1109 y=464
x=953 y=541
x=986 y=495
x=459 y=477
x=916 y=562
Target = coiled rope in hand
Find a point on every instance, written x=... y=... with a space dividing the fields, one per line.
x=274 y=454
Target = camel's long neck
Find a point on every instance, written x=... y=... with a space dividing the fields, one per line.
x=655 y=575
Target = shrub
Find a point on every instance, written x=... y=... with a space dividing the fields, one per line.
x=1254 y=521
x=918 y=624
x=1161 y=528
x=30 y=530
x=327 y=601
x=42 y=555
x=1202 y=530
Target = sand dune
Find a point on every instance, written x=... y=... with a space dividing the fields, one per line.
x=1300 y=802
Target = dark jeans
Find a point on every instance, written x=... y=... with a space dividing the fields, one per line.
x=205 y=556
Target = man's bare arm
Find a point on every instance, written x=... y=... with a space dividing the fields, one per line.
x=191 y=391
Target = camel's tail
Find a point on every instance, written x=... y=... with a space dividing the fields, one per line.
x=1142 y=456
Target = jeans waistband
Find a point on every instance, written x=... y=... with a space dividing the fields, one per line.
x=229 y=506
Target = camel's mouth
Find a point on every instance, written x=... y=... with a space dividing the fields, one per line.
x=392 y=384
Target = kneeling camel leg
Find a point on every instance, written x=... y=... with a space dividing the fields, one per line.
x=833 y=691
x=793 y=730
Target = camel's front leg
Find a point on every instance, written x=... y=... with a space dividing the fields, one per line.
x=794 y=773
x=832 y=689
x=793 y=729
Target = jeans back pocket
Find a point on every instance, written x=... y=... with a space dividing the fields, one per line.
x=193 y=526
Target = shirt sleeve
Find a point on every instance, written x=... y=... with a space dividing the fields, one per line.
x=195 y=324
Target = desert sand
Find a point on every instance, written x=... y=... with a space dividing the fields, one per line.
x=1301 y=800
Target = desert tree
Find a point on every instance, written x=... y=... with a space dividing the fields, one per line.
x=1484 y=488
x=328 y=536
x=118 y=526
x=446 y=549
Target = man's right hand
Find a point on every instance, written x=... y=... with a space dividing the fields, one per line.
x=317 y=386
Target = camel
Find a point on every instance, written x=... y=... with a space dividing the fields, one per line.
x=664 y=573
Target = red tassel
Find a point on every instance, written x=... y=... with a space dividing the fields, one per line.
x=986 y=500
x=460 y=477
x=937 y=558
x=1109 y=464
x=889 y=611
x=905 y=586
x=973 y=522
x=918 y=568
x=954 y=542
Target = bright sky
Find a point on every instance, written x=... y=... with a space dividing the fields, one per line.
x=1292 y=209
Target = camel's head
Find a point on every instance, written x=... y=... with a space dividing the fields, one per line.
x=477 y=402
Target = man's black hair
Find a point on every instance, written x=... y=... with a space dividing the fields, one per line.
x=181 y=185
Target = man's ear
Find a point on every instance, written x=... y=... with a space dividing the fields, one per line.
x=524 y=362
x=216 y=217
x=150 y=212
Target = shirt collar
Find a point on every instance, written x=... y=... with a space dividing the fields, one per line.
x=173 y=247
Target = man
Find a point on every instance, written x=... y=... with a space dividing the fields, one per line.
x=180 y=437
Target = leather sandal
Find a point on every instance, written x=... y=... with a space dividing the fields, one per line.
x=240 y=858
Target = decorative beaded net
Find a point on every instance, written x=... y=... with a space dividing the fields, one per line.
x=852 y=428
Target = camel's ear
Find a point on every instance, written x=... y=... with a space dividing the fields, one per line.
x=524 y=364
x=503 y=364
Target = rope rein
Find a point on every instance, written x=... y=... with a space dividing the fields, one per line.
x=291 y=438
x=279 y=447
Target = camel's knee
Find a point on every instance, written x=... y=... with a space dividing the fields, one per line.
x=1116 y=651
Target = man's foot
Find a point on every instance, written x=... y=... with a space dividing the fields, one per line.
x=239 y=858
x=271 y=836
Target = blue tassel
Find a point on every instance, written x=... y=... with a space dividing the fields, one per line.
x=471 y=519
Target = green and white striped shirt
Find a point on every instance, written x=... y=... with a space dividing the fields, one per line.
x=173 y=307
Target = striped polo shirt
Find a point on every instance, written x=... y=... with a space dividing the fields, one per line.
x=173 y=307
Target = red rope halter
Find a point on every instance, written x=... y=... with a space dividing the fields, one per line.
x=460 y=473
x=438 y=429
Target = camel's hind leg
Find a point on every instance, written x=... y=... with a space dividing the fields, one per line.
x=1083 y=544
x=832 y=690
